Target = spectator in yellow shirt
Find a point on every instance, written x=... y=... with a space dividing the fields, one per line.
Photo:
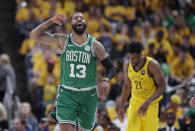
x=186 y=43
x=161 y=45
x=174 y=36
x=157 y=25
x=175 y=108
x=182 y=27
x=176 y=49
x=182 y=67
x=192 y=37
x=49 y=90
x=150 y=51
x=115 y=12
x=121 y=38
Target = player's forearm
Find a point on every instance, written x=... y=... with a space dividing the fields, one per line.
x=110 y=69
x=38 y=31
x=159 y=91
x=125 y=94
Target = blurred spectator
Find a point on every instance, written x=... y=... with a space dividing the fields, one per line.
x=162 y=45
x=145 y=34
x=158 y=26
x=186 y=43
x=182 y=95
x=43 y=125
x=174 y=36
x=103 y=123
x=49 y=90
x=104 y=37
x=192 y=102
x=162 y=118
x=6 y=70
x=121 y=38
x=3 y=119
x=191 y=125
x=114 y=128
x=181 y=26
x=150 y=51
x=20 y=125
x=189 y=18
x=168 y=17
x=192 y=37
x=117 y=87
x=181 y=68
x=176 y=50
x=174 y=107
x=170 y=118
x=25 y=113
x=114 y=11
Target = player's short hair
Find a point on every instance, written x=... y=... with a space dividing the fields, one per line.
x=73 y=15
x=135 y=47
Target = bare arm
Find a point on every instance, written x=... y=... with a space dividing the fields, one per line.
x=40 y=35
x=125 y=92
x=99 y=50
x=154 y=69
x=102 y=56
x=127 y=85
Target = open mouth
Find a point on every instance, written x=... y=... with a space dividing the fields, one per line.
x=79 y=25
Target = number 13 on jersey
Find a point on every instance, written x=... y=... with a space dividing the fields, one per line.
x=81 y=68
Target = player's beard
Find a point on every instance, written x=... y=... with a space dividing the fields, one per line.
x=79 y=31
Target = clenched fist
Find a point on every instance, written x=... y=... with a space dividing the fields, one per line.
x=59 y=19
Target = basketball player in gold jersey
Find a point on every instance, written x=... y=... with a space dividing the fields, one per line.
x=145 y=81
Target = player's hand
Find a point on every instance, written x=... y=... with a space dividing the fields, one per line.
x=121 y=114
x=59 y=19
x=192 y=102
x=143 y=109
x=103 y=90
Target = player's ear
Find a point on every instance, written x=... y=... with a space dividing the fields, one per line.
x=86 y=23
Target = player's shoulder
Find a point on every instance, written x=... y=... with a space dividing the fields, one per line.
x=96 y=42
x=153 y=65
x=125 y=65
x=97 y=45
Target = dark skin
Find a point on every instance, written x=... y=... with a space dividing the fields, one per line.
x=137 y=61
x=78 y=20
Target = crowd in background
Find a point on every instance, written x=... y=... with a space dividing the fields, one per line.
x=166 y=28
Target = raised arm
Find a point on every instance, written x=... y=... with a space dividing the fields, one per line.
x=40 y=35
x=106 y=61
x=125 y=92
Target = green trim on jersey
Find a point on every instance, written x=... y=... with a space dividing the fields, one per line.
x=78 y=64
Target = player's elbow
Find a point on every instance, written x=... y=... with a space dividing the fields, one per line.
x=163 y=87
x=33 y=35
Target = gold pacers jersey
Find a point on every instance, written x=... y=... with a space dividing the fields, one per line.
x=143 y=86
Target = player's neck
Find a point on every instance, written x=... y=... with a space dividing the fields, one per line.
x=141 y=63
x=79 y=39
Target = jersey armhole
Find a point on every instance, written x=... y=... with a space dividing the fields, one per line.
x=150 y=75
x=92 y=49
x=66 y=42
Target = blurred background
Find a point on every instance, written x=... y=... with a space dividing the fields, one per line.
x=30 y=71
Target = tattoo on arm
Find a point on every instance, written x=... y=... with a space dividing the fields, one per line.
x=99 y=50
x=40 y=35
